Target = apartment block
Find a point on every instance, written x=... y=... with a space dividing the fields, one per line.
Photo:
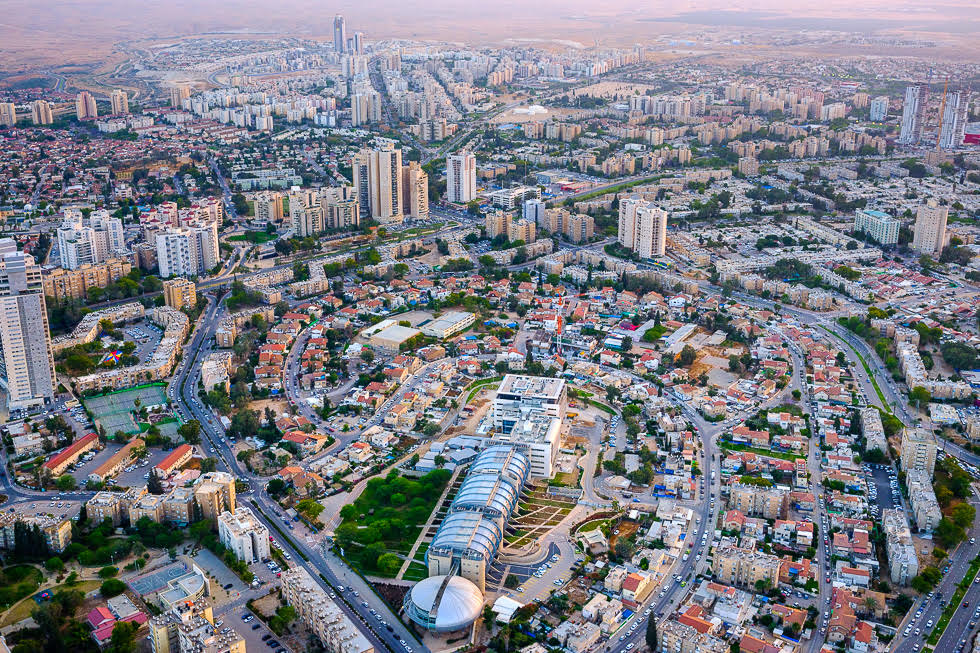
x=244 y=534
x=62 y=284
x=769 y=503
x=743 y=567
x=215 y=494
x=903 y=563
x=918 y=451
x=337 y=632
x=929 y=235
x=180 y=293
x=642 y=227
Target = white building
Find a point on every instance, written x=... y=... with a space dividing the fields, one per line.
x=912 y=114
x=519 y=396
x=877 y=224
x=954 y=121
x=26 y=361
x=461 y=177
x=879 y=108
x=378 y=183
x=91 y=240
x=642 y=227
x=187 y=251
x=244 y=535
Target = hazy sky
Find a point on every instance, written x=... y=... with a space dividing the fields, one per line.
x=78 y=27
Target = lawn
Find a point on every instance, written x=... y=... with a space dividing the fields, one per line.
x=18 y=581
x=387 y=519
x=254 y=237
x=732 y=446
x=867 y=369
x=479 y=385
x=23 y=609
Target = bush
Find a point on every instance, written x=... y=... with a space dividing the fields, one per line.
x=112 y=587
x=108 y=572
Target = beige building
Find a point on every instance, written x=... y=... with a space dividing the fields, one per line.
x=117 y=461
x=62 y=284
x=120 y=102
x=215 y=494
x=929 y=236
x=378 y=183
x=748 y=166
x=268 y=206
x=744 y=567
x=41 y=113
x=85 y=106
x=8 y=114
x=189 y=627
x=149 y=505
x=180 y=293
x=322 y=616
x=56 y=530
x=415 y=191
x=26 y=360
x=642 y=227
x=460 y=178
x=769 y=503
x=918 y=451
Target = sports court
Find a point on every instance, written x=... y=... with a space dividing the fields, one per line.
x=114 y=411
x=157 y=580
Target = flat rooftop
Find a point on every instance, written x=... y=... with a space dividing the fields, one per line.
x=532 y=386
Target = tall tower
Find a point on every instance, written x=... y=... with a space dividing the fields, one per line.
x=642 y=227
x=378 y=183
x=85 y=107
x=120 y=102
x=912 y=113
x=26 y=362
x=954 y=121
x=339 y=34
x=929 y=236
x=461 y=177
x=41 y=113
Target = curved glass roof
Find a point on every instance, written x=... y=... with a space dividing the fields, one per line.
x=469 y=532
x=487 y=492
x=503 y=460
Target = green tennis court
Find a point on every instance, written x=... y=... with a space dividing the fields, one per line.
x=115 y=411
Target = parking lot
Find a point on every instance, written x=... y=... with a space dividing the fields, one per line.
x=135 y=476
x=880 y=493
x=59 y=504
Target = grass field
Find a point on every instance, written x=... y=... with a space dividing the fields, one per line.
x=23 y=609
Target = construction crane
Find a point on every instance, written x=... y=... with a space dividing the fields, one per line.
x=942 y=110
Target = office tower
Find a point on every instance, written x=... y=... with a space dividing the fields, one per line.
x=912 y=114
x=642 y=227
x=120 y=102
x=41 y=112
x=85 y=107
x=340 y=207
x=178 y=94
x=8 y=114
x=879 y=108
x=188 y=251
x=930 y=228
x=339 y=34
x=378 y=182
x=954 y=121
x=461 y=177
x=26 y=362
x=357 y=43
x=415 y=191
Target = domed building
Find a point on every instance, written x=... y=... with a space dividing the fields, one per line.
x=444 y=603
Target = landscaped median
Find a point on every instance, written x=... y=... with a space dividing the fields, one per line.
x=954 y=603
x=867 y=369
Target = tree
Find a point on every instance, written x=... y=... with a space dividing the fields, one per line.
x=919 y=396
x=153 y=484
x=190 y=431
x=652 y=639
x=209 y=465
x=367 y=355
x=66 y=483
x=56 y=565
x=687 y=356
x=112 y=587
x=276 y=487
x=123 y=638
x=108 y=572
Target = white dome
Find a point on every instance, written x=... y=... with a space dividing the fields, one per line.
x=444 y=603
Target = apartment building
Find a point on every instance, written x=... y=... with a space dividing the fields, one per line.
x=918 y=451
x=85 y=106
x=189 y=627
x=115 y=463
x=8 y=114
x=929 y=236
x=461 y=178
x=744 y=567
x=268 y=206
x=642 y=227
x=179 y=293
x=922 y=500
x=55 y=530
x=903 y=563
x=41 y=113
x=378 y=183
x=188 y=251
x=337 y=632
x=119 y=100
x=769 y=503
x=877 y=224
x=244 y=534
x=62 y=284
x=415 y=191
x=215 y=494
x=26 y=359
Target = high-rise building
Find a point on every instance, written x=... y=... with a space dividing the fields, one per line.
x=179 y=293
x=357 y=43
x=461 y=178
x=187 y=251
x=954 y=121
x=365 y=108
x=178 y=94
x=120 y=102
x=877 y=224
x=415 y=191
x=8 y=114
x=340 y=207
x=929 y=236
x=534 y=209
x=339 y=34
x=26 y=361
x=85 y=107
x=268 y=206
x=378 y=183
x=912 y=115
x=305 y=214
x=41 y=113
x=642 y=227
x=579 y=227
x=879 y=108
x=90 y=240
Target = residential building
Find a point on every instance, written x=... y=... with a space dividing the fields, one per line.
x=335 y=630
x=913 y=114
x=642 y=227
x=744 y=567
x=55 y=530
x=903 y=563
x=180 y=293
x=117 y=461
x=877 y=224
x=922 y=500
x=268 y=206
x=918 y=451
x=461 y=177
x=448 y=325
x=26 y=359
x=879 y=108
x=955 y=113
x=378 y=183
x=929 y=236
x=120 y=102
x=89 y=240
x=341 y=208
x=339 y=34
x=188 y=251
x=8 y=114
x=244 y=534
x=215 y=494
x=41 y=113
x=178 y=94
x=85 y=107
x=415 y=190
x=770 y=503
x=189 y=627
x=59 y=462
x=62 y=284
